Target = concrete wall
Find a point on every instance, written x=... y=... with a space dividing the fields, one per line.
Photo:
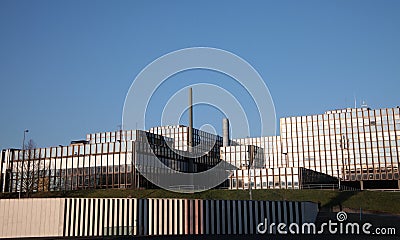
x=128 y=216
x=31 y=217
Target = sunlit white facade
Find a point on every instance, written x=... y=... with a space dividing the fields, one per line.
x=359 y=146
x=103 y=160
x=355 y=144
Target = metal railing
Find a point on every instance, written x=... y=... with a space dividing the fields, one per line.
x=384 y=190
x=185 y=188
x=328 y=186
x=319 y=186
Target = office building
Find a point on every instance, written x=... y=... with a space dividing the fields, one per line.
x=103 y=160
x=352 y=147
x=359 y=146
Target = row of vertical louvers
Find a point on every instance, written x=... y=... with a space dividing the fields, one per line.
x=117 y=216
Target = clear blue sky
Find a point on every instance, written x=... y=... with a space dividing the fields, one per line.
x=65 y=66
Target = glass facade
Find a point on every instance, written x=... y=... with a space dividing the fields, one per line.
x=104 y=160
x=353 y=144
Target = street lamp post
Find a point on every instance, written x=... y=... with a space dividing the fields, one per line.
x=251 y=160
x=23 y=162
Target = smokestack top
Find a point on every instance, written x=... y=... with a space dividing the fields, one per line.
x=190 y=118
x=225 y=132
x=190 y=133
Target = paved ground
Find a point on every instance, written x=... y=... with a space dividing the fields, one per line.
x=237 y=237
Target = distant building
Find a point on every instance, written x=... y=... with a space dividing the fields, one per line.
x=103 y=160
x=359 y=146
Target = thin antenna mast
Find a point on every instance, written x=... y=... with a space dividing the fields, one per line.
x=190 y=133
x=355 y=101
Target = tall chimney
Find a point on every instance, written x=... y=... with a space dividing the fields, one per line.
x=225 y=132
x=190 y=133
x=190 y=118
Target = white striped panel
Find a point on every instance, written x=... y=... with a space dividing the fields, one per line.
x=106 y=217
x=81 y=215
x=129 y=223
x=176 y=220
x=67 y=218
x=201 y=216
x=135 y=219
x=125 y=214
x=160 y=216
x=165 y=213
x=190 y=213
x=186 y=215
x=156 y=216
x=75 y=217
x=121 y=217
x=102 y=217
x=181 y=216
x=170 y=215
x=95 y=216
x=110 y=217
x=115 y=215
x=87 y=221
x=153 y=222
x=70 y=218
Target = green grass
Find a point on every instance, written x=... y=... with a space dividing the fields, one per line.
x=388 y=202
